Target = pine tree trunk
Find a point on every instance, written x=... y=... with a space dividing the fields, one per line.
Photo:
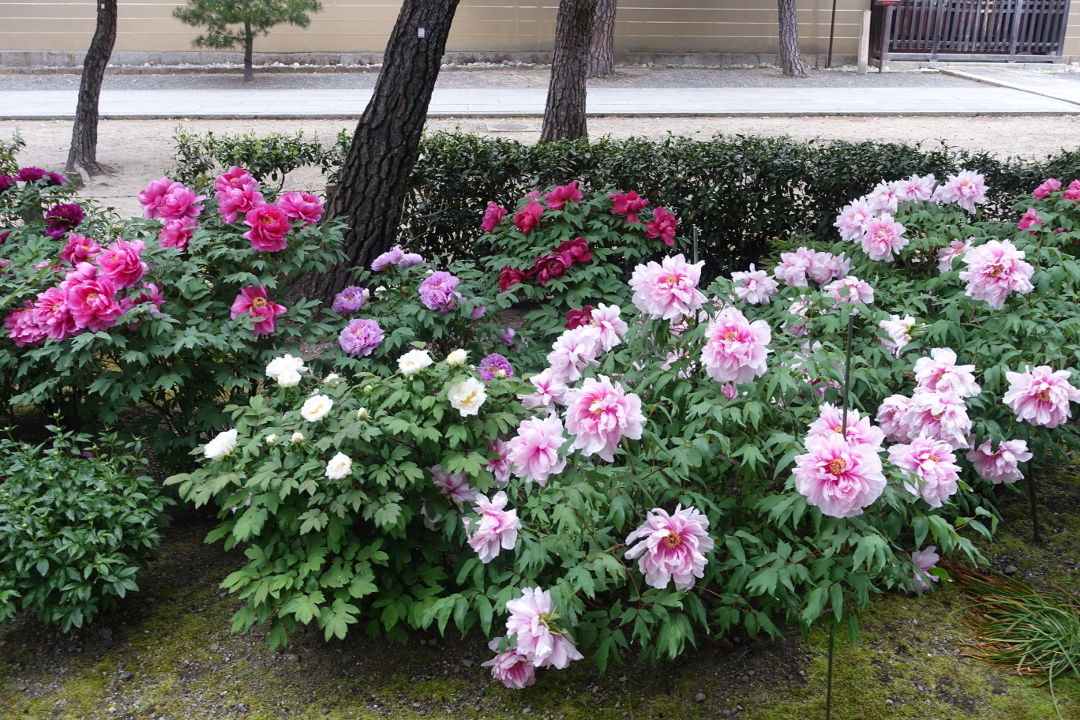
x=564 y=114
x=249 y=42
x=374 y=179
x=82 y=155
x=790 y=57
x=602 y=42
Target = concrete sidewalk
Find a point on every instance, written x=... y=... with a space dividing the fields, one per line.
x=217 y=103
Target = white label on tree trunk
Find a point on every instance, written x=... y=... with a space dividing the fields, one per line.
x=421 y=33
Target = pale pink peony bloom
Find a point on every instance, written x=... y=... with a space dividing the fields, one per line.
x=899 y=331
x=967 y=189
x=1051 y=185
x=667 y=290
x=938 y=415
x=177 y=233
x=550 y=390
x=453 y=485
x=234 y=202
x=496 y=529
x=994 y=270
x=79 y=248
x=940 y=373
x=860 y=431
x=121 y=263
x=890 y=417
x=883 y=198
x=794 y=266
x=884 y=238
x=534 y=451
x=599 y=414
x=754 y=286
x=853 y=219
x=953 y=250
x=1002 y=465
x=531 y=622
x=924 y=561
x=798 y=308
x=253 y=302
x=612 y=328
x=301 y=206
x=850 y=290
x=1041 y=396
x=510 y=667
x=572 y=351
x=839 y=478
x=826 y=267
x=931 y=467
x=671 y=547
x=53 y=316
x=499 y=462
x=916 y=188
x=735 y=348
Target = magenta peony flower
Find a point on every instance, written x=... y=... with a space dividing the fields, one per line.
x=578 y=317
x=437 y=291
x=572 y=351
x=549 y=267
x=236 y=201
x=953 y=250
x=1072 y=192
x=939 y=415
x=492 y=216
x=671 y=547
x=60 y=219
x=967 y=189
x=253 y=302
x=235 y=178
x=628 y=204
x=149 y=294
x=1050 y=185
x=940 y=373
x=575 y=250
x=1041 y=396
x=599 y=414
x=499 y=462
x=23 y=327
x=931 y=468
x=924 y=561
x=532 y=622
x=754 y=286
x=121 y=263
x=735 y=348
x=509 y=277
x=899 y=331
x=92 y=301
x=349 y=300
x=528 y=218
x=301 y=206
x=390 y=257
x=1003 y=465
x=454 y=485
x=496 y=529
x=663 y=226
x=550 y=390
x=360 y=337
x=884 y=198
x=859 y=429
x=179 y=202
x=563 y=194
x=79 y=248
x=884 y=238
x=534 y=451
x=177 y=233
x=510 y=667
x=30 y=174
x=667 y=290
x=269 y=225
x=6 y=183
x=853 y=220
x=838 y=478
x=995 y=269
x=494 y=366
x=1030 y=219
x=916 y=188
x=53 y=316
x=850 y=290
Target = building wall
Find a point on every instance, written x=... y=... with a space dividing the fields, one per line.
x=642 y=26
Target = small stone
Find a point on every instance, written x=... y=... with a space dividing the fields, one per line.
x=292 y=657
x=888 y=701
x=213 y=647
x=105 y=633
x=700 y=697
x=1011 y=569
x=467 y=663
x=126 y=676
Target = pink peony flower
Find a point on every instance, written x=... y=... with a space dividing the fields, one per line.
x=532 y=623
x=884 y=198
x=850 y=290
x=23 y=327
x=628 y=204
x=671 y=547
x=496 y=529
x=572 y=351
x=360 y=337
x=994 y=270
x=170 y=200
x=301 y=206
x=236 y=201
x=1002 y=465
x=794 y=266
x=952 y=251
x=859 y=429
x=938 y=415
x=550 y=390
x=924 y=561
x=735 y=348
x=454 y=485
x=608 y=323
x=827 y=267
x=1072 y=192
x=92 y=302
x=510 y=667
x=121 y=263
x=150 y=198
x=499 y=464
x=967 y=189
x=437 y=291
x=177 y=233
x=1041 y=396
x=839 y=478
x=797 y=308
x=899 y=331
x=269 y=224
x=663 y=226
x=79 y=248
x=492 y=216
x=599 y=414
x=940 y=373
x=149 y=294
x=563 y=194
x=931 y=468
x=528 y=218
x=754 y=286
x=534 y=451
x=884 y=238
x=234 y=178
x=667 y=290
x=253 y=302
x=853 y=219
x=1029 y=220
x=53 y=316
x=1051 y=185
x=916 y=188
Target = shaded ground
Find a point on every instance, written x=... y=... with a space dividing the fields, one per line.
x=167 y=653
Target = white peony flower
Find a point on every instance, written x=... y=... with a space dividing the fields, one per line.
x=362 y=414
x=457 y=358
x=288 y=379
x=331 y=379
x=467 y=396
x=285 y=365
x=413 y=362
x=316 y=407
x=220 y=446
x=270 y=439
x=339 y=466
x=297 y=438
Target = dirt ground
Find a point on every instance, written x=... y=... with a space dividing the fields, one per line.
x=141 y=150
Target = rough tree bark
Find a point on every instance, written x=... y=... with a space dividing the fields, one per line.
x=249 y=44
x=564 y=114
x=374 y=179
x=82 y=155
x=602 y=40
x=790 y=56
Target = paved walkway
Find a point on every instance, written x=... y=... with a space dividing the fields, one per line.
x=999 y=91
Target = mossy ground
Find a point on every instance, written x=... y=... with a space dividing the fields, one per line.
x=167 y=653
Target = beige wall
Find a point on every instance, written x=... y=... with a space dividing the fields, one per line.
x=715 y=26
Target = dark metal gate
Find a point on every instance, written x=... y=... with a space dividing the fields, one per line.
x=1007 y=30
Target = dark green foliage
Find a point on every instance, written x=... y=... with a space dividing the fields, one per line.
x=77 y=521
x=220 y=18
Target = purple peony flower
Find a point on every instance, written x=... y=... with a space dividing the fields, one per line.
x=437 y=291
x=349 y=300
x=360 y=337
x=495 y=366
x=62 y=218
